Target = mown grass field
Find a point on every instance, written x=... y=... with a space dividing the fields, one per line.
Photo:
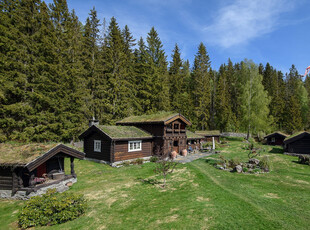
x=198 y=196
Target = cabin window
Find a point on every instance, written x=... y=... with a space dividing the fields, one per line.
x=134 y=146
x=175 y=143
x=273 y=139
x=97 y=146
x=176 y=126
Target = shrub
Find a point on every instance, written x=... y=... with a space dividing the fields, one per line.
x=264 y=163
x=234 y=162
x=51 y=208
x=126 y=163
x=154 y=159
x=245 y=169
x=138 y=161
x=223 y=159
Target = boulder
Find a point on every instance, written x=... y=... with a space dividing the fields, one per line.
x=254 y=161
x=238 y=169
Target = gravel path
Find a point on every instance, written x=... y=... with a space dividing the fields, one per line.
x=192 y=157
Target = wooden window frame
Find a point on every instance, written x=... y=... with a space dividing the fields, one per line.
x=273 y=139
x=97 y=146
x=133 y=147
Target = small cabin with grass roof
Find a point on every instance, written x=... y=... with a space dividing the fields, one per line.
x=110 y=144
x=298 y=143
x=167 y=128
x=275 y=138
x=193 y=140
x=27 y=170
x=209 y=135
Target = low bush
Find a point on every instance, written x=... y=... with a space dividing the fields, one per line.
x=264 y=163
x=51 y=208
x=154 y=159
x=138 y=161
x=234 y=162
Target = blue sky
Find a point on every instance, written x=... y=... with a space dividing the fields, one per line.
x=274 y=31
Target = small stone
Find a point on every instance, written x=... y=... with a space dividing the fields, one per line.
x=238 y=169
x=254 y=161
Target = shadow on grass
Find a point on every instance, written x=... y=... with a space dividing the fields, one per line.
x=276 y=150
x=148 y=181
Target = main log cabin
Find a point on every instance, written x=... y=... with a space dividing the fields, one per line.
x=27 y=170
x=275 y=138
x=167 y=128
x=112 y=144
x=298 y=143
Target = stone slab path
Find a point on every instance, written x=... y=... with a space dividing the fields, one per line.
x=192 y=157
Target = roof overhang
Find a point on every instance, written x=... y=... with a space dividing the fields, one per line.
x=295 y=138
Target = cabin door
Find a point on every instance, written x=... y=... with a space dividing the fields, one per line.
x=176 y=146
x=41 y=170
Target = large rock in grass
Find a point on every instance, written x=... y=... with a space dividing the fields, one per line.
x=254 y=161
x=238 y=169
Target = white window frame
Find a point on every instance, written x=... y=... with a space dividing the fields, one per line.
x=273 y=139
x=134 y=146
x=97 y=146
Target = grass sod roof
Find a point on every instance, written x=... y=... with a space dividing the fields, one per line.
x=22 y=154
x=277 y=132
x=151 y=118
x=209 y=133
x=123 y=132
x=191 y=135
x=295 y=135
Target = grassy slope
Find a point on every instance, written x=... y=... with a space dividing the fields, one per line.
x=198 y=197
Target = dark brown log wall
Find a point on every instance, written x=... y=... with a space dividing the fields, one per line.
x=105 y=147
x=121 y=150
x=209 y=139
x=300 y=146
x=6 y=178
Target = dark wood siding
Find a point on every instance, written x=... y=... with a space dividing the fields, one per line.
x=105 y=147
x=300 y=146
x=278 y=140
x=209 y=139
x=121 y=150
x=6 y=178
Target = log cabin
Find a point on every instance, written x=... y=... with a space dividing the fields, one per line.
x=209 y=134
x=194 y=140
x=275 y=138
x=167 y=128
x=28 y=170
x=298 y=143
x=111 y=144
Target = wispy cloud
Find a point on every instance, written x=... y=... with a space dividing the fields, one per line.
x=245 y=20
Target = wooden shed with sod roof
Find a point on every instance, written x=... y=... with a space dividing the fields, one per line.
x=193 y=140
x=111 y=144
x=209 y=134
x=32 y=168
x=298 y=143
x=167 y=128
x=275 y=138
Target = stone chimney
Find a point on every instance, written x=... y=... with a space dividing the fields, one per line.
x=93 y=121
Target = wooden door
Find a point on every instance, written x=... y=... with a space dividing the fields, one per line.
x=176 y=146
x=41 y=170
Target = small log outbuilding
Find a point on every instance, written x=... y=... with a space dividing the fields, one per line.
x=194 y=140
x=298 y=143
x=209 y=135
x=276 y=138
x=112 y=144
x=27 y=170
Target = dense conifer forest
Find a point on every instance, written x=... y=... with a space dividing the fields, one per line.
x=57 y=72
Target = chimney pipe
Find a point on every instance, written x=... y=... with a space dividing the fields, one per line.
x=93 y=121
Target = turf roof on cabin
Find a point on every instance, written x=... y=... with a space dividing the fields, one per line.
x=277 y=132
x=209 y=133
x=158 y=117
x=123 y=132
x=295 y=135
x=191 y=135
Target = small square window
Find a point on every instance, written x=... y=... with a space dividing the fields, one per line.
x=273 y=139
x=97 y=146
x=176 y=126
x=134 y=146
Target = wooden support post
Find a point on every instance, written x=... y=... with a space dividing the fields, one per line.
x=72 y=167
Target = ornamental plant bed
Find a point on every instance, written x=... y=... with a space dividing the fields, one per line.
x=253 y=165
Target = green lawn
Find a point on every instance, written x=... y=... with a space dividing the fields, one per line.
x=198 y=196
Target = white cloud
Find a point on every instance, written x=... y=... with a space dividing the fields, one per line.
x=244 y=20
